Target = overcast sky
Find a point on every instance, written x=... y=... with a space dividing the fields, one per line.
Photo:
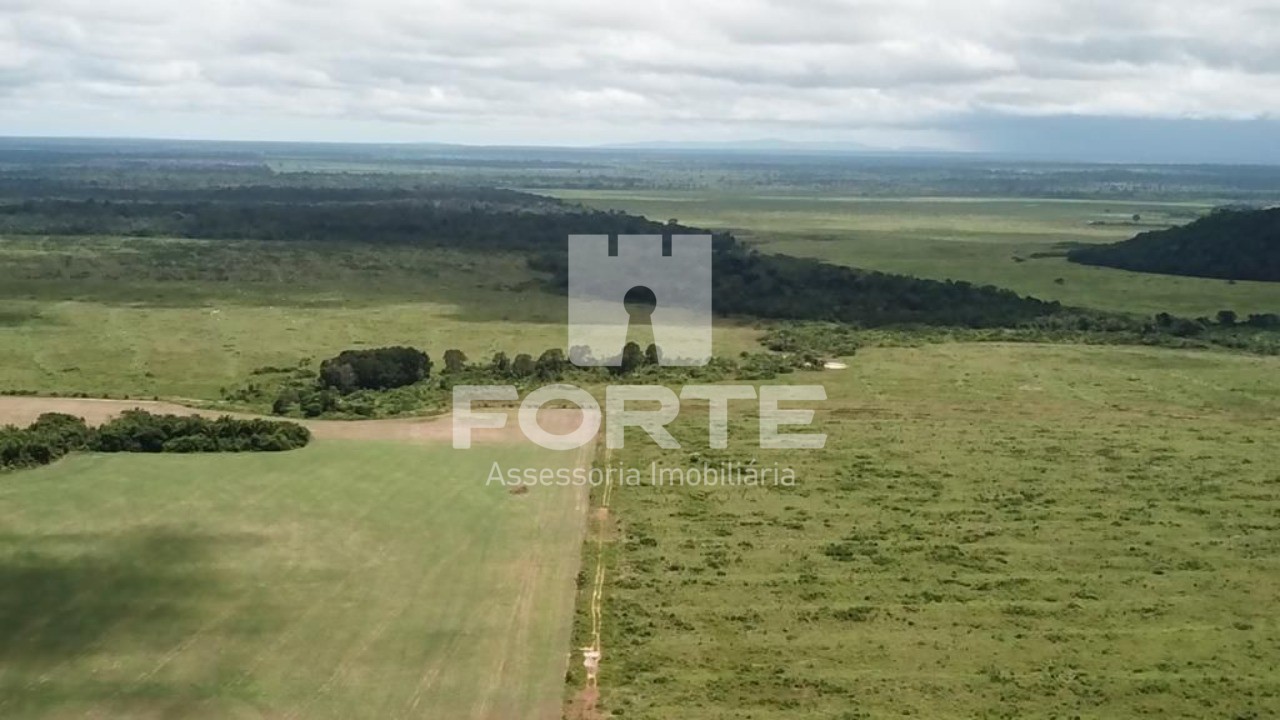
x=963 y=75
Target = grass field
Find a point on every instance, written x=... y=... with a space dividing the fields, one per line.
x=184 y=318
x=992 y=531
x=347 y=580
x=961 y=239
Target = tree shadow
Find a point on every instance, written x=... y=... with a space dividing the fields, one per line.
x=65 y=598
x=18 y=316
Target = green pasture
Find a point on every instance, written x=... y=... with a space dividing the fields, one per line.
x=992 y=531
x=347 y=580
x=185 y=318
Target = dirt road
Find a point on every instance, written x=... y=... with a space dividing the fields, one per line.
x=22 y=410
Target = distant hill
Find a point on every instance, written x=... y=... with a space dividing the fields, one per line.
x=1230 y=244
x=767 y=145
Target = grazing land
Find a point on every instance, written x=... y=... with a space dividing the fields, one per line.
x=185 y=318
x=1015 y=243
x=991 y=531
x=347 y=580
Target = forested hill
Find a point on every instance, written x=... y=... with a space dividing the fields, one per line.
x=1230 y=244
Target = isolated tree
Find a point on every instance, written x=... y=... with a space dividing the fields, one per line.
x=339 y=376
x=523 y=366
x=652 y=355
x=632 y=358
x=550 y=365
x=454 y=361
x=500 y=364
x=375 y=369
x=581 y=355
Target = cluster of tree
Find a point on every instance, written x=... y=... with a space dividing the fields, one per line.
x=141 y=431
x=50 y=437
x=815 y=339
x=356 y=382
x=1186 y=327
x=374 y=369
x=352 y=382
x=55 y=434
x=550 y=366
x=292 y=393
x=1230 y=244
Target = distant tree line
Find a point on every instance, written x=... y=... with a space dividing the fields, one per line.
x=1229 y=244
x=53 y=435
x=746 y=282
x=80 y=168
x=1256 y=334
x=483 y=219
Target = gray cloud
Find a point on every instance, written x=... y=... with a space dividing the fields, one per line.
x=586 y=71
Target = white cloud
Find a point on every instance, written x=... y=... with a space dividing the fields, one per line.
x=587 y=71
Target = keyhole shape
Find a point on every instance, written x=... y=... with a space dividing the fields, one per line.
x=640 y=303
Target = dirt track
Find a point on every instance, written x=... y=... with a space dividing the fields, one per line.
x=20 y=410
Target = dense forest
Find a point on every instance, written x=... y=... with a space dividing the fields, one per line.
x=1228 y=244
x=752 y=284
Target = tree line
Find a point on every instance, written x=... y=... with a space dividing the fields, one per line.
x=746 y=282
x=53 y=435
x=396 y=380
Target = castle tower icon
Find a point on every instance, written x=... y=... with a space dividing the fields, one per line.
x=600 y=280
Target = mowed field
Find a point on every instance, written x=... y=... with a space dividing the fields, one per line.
x=992 y=241
x=346 y=580
x=184 y=318
x=992 y=531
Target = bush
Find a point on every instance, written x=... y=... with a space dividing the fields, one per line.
x=50 y=437
x=140 y=431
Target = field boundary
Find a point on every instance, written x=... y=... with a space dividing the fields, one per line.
x=583 y=698
x=25 y=409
